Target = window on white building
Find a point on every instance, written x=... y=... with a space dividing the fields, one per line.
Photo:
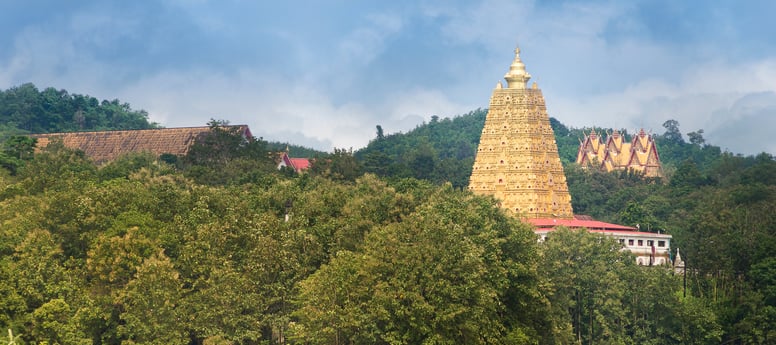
x=661 y=243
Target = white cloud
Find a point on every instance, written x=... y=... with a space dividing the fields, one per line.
x=713 y=96
x=363 y=44
x=330 y=88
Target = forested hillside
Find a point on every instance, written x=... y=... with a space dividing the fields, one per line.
x=136 y=252
x=219 y=247
x=25 y=109
x=439 y=151
x=719 y=206
x=443 y=150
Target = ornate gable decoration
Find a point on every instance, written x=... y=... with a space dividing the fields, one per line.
x=640 y=154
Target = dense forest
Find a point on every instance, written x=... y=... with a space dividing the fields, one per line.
x=25 y=109
x=379 y=246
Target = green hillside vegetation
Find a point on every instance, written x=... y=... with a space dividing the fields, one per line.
x=295 y=151
x=134 y=252
x=439 y=151
x=25 y=109
x=218 y=247
x=443 y=150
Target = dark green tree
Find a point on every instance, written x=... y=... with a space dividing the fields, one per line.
x=340 y=165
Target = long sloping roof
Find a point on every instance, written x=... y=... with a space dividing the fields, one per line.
x=543 y=223
x=105 y=146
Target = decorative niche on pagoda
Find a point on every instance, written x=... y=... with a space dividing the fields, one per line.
x=616 y=153
x=517 y=158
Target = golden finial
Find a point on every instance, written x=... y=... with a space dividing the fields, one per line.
x=517 y=77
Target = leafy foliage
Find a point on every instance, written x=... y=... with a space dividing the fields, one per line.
x=224 y=155
x=440 y=151
x=295 y=151
x=25 y=109
x=220 y=248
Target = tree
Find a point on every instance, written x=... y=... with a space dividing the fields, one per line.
x=582 y=270
x=27 y=109
x=54 y=324
x=56 y=168
x=151 y=304
x=224 y=155
x=599 y=295
x=15 y=151
x=340 y=165
x=672 y=133
x=696 y=138
x=686 y=178
x=454 y=271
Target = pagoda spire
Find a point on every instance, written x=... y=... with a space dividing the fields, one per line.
x=517 y=159
x=517 y=77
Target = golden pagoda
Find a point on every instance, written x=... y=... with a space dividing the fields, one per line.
x=517 y=159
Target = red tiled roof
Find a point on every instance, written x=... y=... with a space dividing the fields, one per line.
x=577 y=223
x=105 y=146
x=614 y=233
x=545 y=225
x=300 y=164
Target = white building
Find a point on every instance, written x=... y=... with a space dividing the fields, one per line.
x=650 y=249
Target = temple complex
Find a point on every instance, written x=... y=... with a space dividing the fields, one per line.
x=616 y=153
x=517 y=163
x=517 y=159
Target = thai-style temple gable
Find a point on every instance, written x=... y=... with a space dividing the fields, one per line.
x=644 y=157
x=105 y=146
x=640 y=154
x=298 y=164
x=517 y=158
x=590 y=150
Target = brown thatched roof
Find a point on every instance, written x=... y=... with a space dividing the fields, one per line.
x=105 y=146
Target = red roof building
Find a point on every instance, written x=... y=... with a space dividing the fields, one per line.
x=648 y=247
x=298 y=164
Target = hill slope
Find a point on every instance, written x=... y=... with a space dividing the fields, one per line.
x=443 y=149
x=25 y=109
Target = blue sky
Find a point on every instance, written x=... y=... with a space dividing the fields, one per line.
x=324 y=73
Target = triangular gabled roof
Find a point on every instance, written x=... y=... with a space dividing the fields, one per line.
x=104 y=146
x=617 y=151
x=591 y=150
x=298 y=164
x=614 y=142
x=644 y=156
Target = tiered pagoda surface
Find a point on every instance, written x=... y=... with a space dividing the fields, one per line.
x=517 y=159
